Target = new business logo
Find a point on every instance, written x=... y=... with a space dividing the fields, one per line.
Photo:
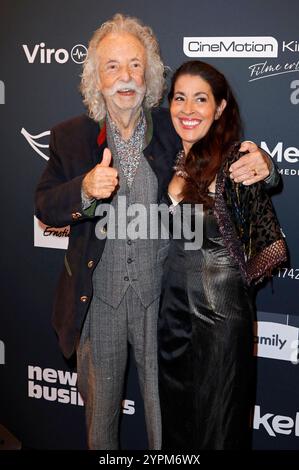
x=239 y=46
x=53 y=385
x=61 y=386
x=128 y=407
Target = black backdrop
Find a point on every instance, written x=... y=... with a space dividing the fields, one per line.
x=38 y=88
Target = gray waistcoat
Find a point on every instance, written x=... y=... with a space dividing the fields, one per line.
x=126 y=262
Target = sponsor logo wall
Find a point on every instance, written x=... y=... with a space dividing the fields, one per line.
x=39 y=80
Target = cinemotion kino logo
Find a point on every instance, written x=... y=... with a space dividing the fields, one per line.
x=239 y=46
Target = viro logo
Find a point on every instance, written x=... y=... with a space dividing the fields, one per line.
x=40 y=53
x=275 y=424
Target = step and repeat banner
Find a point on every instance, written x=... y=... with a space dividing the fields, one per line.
x=42 y=47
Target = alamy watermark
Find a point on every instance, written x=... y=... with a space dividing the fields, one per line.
x=154 y=221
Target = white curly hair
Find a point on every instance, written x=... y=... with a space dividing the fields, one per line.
x=154 y=73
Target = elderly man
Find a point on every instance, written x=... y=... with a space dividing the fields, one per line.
x=108 y=293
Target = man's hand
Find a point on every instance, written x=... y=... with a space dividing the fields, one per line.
x=252 y=167
x=102 y=180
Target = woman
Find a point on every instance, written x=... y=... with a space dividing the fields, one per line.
x=207 y=309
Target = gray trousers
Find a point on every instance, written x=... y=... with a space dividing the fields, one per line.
x=101 y=363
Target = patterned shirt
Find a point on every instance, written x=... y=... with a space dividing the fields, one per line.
x=129 y=151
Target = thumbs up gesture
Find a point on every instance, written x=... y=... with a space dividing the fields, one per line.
x=102 y=180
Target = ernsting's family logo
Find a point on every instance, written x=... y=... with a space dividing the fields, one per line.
x=44 y=235
x=276 y=341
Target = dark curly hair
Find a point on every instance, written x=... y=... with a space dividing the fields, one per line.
x=207 y=155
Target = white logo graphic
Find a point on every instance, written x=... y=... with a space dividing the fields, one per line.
x=294 y=98
x=2 y=353
x=128 y=407
x=44 y=55
x=265 y=69
x=283 y=155
x=67 y=394
x=79 y=53
x=290 y=46
x=276 y=341
x=275 y=424
x=61 y=386
x=2 y=92
x=32 y=140
x=242 y=46
x=290 y=154
x=50 y=237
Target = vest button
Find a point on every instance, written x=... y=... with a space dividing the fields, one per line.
x=126 y=278
x=90 y=263
x=129 y=260
x=84 y=298
x=129 y=242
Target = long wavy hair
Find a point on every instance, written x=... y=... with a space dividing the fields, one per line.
x=154 y=73
x=207 y=155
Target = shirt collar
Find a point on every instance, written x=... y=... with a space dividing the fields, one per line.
x=148 y=134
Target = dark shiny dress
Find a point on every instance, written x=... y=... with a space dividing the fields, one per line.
x=206 y=366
